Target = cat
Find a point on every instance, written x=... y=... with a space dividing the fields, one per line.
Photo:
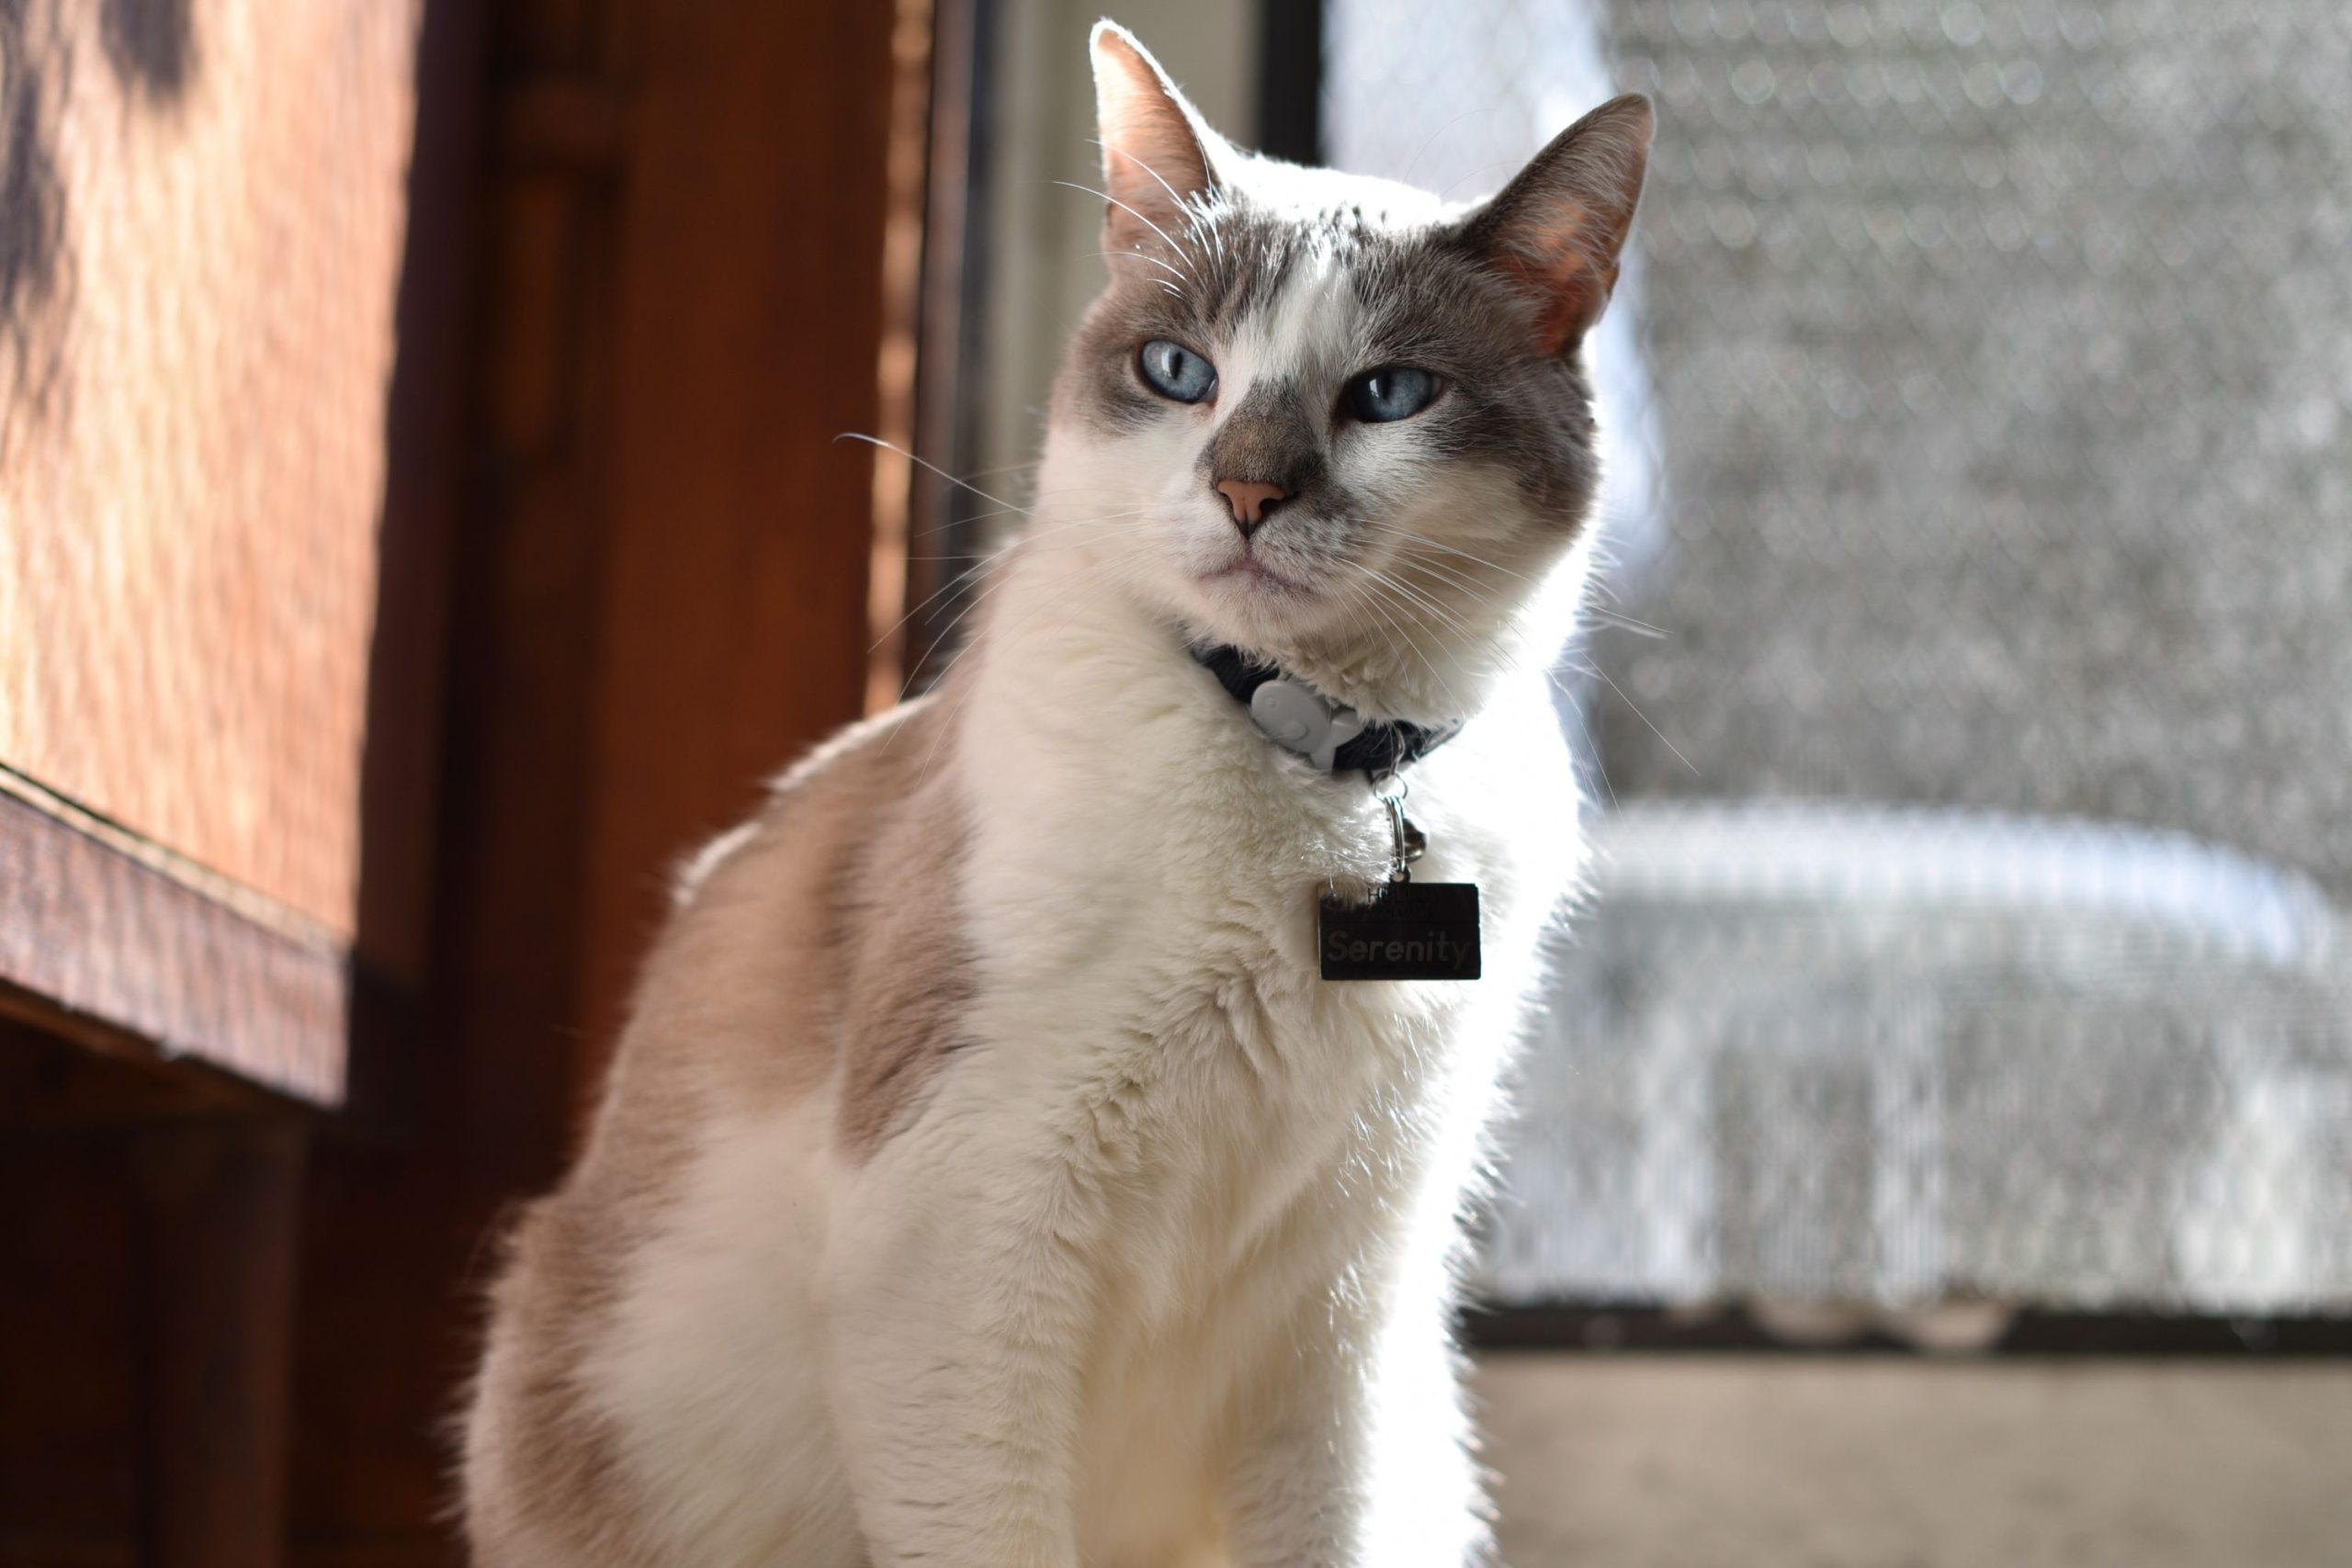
x=987 y=1176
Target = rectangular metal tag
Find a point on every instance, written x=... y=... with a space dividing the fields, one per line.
x=1408 y=930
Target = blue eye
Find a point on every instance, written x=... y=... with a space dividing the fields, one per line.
x=1400 y=391
x=1174 y=371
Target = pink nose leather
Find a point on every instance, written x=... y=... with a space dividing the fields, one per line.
x=1251 y=501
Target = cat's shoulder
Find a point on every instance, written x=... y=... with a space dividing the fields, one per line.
x=837 y=796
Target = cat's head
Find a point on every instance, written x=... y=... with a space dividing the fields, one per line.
x=1326 y=418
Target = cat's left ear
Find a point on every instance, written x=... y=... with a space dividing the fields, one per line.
x=1558 y=227
x=1157 y=155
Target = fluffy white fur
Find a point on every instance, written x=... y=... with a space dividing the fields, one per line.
x=1167 y=1255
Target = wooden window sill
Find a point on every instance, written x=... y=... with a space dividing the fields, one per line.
x=122 y=947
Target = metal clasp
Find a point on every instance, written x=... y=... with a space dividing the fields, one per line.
x=1406 y=843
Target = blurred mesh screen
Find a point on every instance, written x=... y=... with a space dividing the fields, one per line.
x=1975 y=807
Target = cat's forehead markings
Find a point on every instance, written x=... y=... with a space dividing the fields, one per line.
x=1246 y=256
x=1307 y=324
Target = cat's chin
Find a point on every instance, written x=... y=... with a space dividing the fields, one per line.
x=1250 y=581
x=1250 y=602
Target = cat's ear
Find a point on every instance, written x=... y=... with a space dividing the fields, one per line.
x=1157 y=153
x=1559 y=226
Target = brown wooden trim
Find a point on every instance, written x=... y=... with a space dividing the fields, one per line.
x=945 y=428
x=70 y=1085
x=904 y=264
x=92 y=934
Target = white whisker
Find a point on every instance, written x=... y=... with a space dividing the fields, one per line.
x=927 y=463
x=1139 y=216
x=1654 y=730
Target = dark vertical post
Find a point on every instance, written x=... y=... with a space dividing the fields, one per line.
x=955 y=283
x=1290 y=80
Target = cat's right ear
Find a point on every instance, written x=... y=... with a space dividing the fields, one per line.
x=1157 y=152
x=1559 y=226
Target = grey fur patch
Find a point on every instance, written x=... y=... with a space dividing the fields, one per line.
x=1273 y=437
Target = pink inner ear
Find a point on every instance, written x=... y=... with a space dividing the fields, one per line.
x=1152 y=161
x=1557 y=260
x=1156 y=166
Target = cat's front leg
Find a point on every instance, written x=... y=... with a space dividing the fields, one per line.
x=955 y=1315
x=1364 y=1463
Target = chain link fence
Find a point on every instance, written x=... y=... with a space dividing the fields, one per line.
x=1977 y=734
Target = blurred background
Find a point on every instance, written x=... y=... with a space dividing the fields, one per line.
x=423 y=514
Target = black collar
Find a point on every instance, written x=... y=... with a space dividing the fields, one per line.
x=1295 y=715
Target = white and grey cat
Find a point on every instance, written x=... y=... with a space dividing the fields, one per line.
x=987 y=1178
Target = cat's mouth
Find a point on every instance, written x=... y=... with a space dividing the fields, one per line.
x=1247 y=574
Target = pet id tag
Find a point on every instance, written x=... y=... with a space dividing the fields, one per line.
x=1405 y=929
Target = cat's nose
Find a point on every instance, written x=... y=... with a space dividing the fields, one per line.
x=1251 y=501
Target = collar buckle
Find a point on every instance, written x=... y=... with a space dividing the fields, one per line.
x=1298 y=717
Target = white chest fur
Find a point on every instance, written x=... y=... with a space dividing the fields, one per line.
x=1142 y=888
x=1163 y=1250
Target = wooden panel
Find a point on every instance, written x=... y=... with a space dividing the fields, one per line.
x=146 y=1229
x=221 y=1203
x=750 y=319
x=196 y=284
x=102 y=937
x=68 y=1321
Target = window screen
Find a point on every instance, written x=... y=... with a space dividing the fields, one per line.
x=1972 y=729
